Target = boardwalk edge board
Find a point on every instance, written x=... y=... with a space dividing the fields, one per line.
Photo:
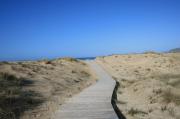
x=114 y=100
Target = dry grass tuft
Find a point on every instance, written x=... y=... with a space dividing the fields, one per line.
x=115 y=78
x=133 y=112
x=48 y=62
x=168 y=76
x=151 y=52
x=73 y=71
x=169 y=79
x=85 y=74
x=4 y=62
x=171 y=97
x=13 y=100
x=70 y=59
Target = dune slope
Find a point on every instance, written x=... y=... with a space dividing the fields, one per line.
x=149 y=84
x=35 y=89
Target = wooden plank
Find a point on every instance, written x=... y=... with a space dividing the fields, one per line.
x=92 y=103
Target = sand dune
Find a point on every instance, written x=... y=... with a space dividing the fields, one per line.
x=35 y=89
x=149 y=84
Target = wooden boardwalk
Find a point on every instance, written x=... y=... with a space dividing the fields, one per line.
x=92 y=103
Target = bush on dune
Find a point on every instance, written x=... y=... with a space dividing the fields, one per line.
x=13 y=99
x=169 y=96
x=70 y=59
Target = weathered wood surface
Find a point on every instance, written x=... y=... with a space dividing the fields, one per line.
x=92 y=103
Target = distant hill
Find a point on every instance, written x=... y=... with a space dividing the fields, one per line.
x=175 y=50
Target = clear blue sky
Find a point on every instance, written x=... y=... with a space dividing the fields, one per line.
x=31 y=29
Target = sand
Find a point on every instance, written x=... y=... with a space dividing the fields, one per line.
x=149 y=84
x=44 y=87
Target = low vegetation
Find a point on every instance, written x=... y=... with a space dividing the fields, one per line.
x=169 y=97
x=133 y=112
x=70 y=59
x=150 y=52
x=13 y=100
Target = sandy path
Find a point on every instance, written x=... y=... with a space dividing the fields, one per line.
x=92 y=103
